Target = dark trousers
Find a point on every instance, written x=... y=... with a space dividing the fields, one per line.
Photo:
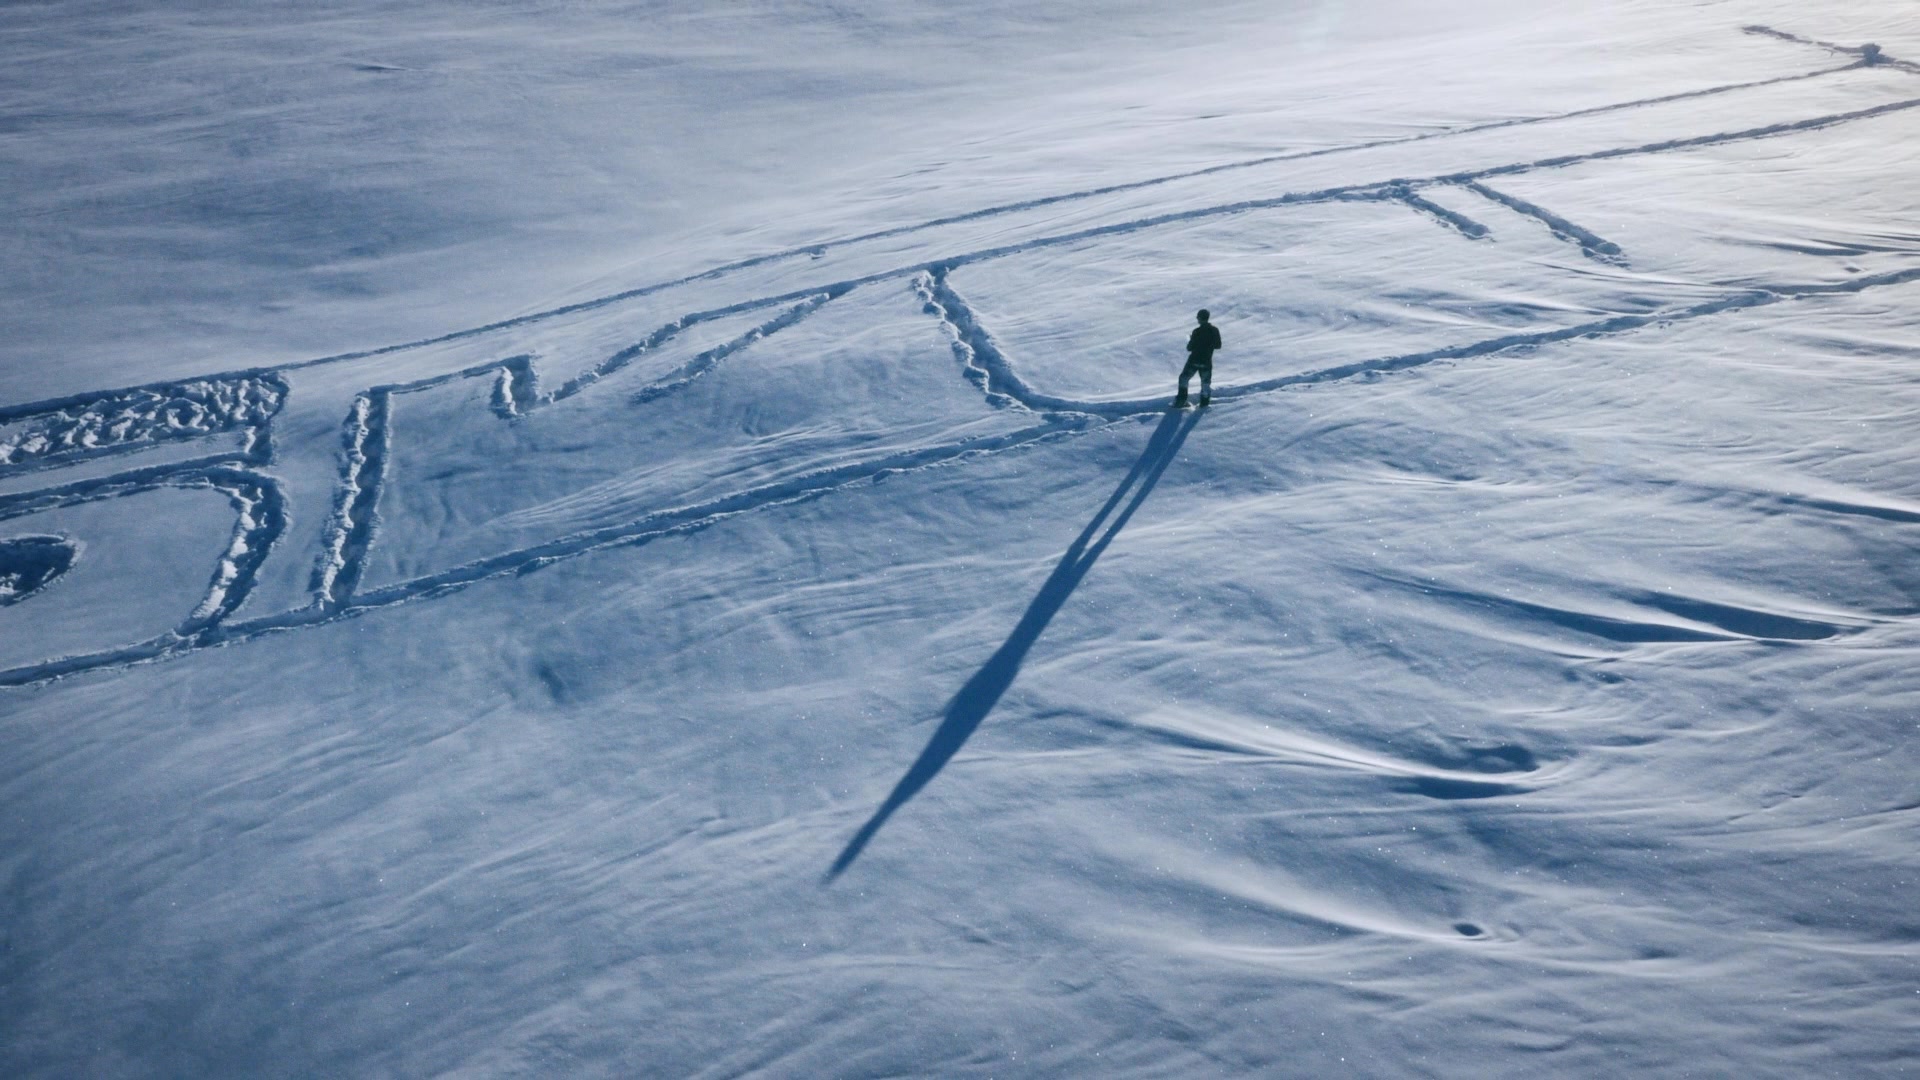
x=1201 y=364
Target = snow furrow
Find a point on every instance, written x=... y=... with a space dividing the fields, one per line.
x=1593 y=247
x=260 y=518
x=693 y=369
x=367 y=442
x=1465 y=225
x=55 y=433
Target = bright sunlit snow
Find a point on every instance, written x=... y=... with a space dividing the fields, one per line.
x=649 y=539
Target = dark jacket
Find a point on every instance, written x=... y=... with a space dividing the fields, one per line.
x=1204 y=339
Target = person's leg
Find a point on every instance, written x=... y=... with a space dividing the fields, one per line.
x=1186 y=375
x=1206 y=381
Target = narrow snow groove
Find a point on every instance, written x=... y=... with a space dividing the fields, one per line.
x=368 y=434
x=986 y=366
x=816 y=249
x=1625 y=631
x=1870 y=55
x=261 y=517
x=1766 y=131
x=692 y=518
x=1593 y=247
x=1756 y=297
x=1854 y=509
x=963 y=350
x=693 y=369
x=1453 y=218
x=47 y=671
x=652 y=527
x=351 y=533
x=1119 y=228
x=620 y=359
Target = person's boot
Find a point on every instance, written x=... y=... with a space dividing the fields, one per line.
x=1180 y=400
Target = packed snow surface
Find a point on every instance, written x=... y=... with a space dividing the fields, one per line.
x=648 y=539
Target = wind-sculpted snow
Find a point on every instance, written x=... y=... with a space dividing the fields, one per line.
x=843 y=661
x=49 y=434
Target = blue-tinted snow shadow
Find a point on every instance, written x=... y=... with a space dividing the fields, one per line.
x=974 y=700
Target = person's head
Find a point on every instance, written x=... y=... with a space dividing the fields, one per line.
x=1203 y=316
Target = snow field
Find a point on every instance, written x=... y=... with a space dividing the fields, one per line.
x=841 y=662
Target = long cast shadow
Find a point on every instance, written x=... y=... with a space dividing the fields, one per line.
x=977 y=697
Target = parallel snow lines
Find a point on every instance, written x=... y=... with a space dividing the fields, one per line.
x=1341 y=193
x=1739 y=300
x=984 y=213
x=706 y=361
x=672 y=522
x=368 y=429
x=260 y=518
x=1590 y=245
x=515 y=392
x=1360 y=190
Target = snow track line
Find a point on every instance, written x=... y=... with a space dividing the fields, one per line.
x=1342 y=192
x=693 y=369
x=953 y=309
x=343 y=553
x=1461 y=223
x=1111 y=189
x=986 y=366
x=998 y=210
x=368 y=431
x=1070 y=419
x=201 y=633
x=261 y=517
x=1619 y=324
x=1870 y=55
x=1590 y=245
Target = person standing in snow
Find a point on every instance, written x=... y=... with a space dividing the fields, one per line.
x=1200 y=348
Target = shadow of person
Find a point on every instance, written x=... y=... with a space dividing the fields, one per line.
x=977 y=697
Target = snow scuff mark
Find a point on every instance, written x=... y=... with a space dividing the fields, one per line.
x=29 y=564
x=55 y=432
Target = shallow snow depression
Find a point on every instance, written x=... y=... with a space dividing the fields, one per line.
x=664 y=551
